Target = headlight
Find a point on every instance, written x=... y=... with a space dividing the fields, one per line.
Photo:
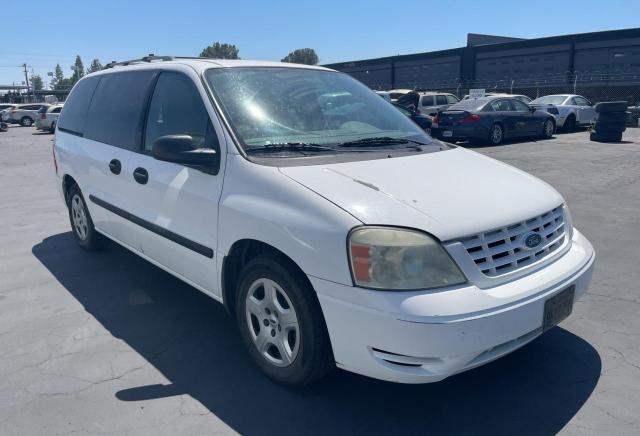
x=568 y=222
x=399 y=259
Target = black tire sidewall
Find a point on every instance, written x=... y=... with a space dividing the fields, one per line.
x=313 y=353
x=24 y=123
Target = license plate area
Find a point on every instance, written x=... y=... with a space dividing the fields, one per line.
x=447 y=134
x=558 y=307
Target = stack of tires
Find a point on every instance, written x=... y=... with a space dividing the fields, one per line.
x=610 y=121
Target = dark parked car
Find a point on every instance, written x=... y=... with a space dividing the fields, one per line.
x=492 y=119
x=424 y=121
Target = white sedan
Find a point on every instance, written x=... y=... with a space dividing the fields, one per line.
x=573 y=110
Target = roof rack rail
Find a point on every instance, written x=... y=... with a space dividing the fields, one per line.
x=150 y=58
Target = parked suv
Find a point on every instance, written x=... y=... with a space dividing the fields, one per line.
x=48 y=117
x=334 y=235
x=25 y=114
x=428 y=103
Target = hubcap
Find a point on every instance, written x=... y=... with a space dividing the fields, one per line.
x=496 y=134
x=272 y=321
x=79 y=217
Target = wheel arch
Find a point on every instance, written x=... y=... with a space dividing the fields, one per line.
x=240 y=253
x=67 y=183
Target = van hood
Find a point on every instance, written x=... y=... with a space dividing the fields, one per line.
x=450 y=194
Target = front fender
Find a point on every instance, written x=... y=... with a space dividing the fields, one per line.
x=258 y=202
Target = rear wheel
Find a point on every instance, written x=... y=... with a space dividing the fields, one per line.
x=281 y=323
x=82 y=224
x=26 y=122
x=52 y=129
x=496 y=134
x=547 y=129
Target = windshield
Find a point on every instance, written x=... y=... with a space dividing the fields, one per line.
x=550 y=99
x=273 y=106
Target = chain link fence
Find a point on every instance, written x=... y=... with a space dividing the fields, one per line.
x=594 y=85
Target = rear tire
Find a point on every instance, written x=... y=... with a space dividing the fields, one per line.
x=81 y=223
x=548 y=129
x=281 y=323
x=26 y=122
x=496 y=134
x=52 y=129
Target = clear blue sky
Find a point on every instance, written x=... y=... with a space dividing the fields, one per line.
x=338 y=30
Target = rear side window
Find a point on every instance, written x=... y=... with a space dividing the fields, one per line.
x=117 y=109
x=427 y=100
x=73 y=117
x=56 y=110
x=451 y=99
x=441 y=99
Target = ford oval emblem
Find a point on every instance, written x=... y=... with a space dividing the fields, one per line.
x=532 y=240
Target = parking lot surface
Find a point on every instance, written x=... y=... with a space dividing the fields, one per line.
x=106 y=343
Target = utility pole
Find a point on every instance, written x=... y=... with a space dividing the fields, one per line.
x=26 y=78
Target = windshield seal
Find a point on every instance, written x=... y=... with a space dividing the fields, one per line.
x=324 y=140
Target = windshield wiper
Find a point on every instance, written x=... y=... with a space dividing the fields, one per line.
x=289 y=146
x=379 y=141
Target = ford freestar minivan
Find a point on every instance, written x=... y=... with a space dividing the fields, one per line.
x=333 y=229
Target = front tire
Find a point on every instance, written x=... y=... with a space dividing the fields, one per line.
x=496 y=134
x=570 y=123
x=81 y=223
x=26 y=122
x=281 y=322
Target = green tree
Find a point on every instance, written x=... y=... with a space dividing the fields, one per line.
x=58 y=77
x=78 y=70
x=36 y=82
x=220 y=51
x=306 y=56
x=95 y=66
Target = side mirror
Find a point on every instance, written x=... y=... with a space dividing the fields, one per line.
x=181 y=149
x=532 y=109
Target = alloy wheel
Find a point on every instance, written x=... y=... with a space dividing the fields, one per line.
x=79 y=217
x=496 y=134
x=272 y=322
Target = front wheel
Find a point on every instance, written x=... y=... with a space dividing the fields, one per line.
x=281 y=322
x=547 y=129
x=496 y=134
x=26 y=122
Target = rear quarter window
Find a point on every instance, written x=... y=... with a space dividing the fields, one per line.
x=117 y=109
x=73 y=117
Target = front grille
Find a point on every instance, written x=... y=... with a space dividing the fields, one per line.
x=503 y=250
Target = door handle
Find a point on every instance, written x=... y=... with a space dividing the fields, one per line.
x=115 y=166
x=141 y=175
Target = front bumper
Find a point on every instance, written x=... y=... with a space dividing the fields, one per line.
x=426 y=336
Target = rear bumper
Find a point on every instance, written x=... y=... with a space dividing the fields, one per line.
x=460 y=133
x=422 y=337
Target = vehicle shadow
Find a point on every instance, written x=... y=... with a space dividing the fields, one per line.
x=189 y=338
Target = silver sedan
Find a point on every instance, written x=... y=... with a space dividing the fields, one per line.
x=573 y=110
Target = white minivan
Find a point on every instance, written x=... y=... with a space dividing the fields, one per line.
x=334 y=230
